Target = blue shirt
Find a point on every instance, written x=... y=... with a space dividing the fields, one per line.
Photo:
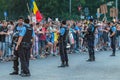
x=21 y=30
x=62 y=31
x=50 y=37
x=76 y=28
x=113 y=29
x=93 y=28
x=80 y=28
x=33 y=33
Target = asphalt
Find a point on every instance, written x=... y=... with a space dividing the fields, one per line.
x=104 y=68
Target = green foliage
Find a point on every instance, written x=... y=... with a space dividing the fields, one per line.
x=50 y=8
x=14 y=8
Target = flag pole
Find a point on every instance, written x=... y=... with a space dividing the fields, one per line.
x=30 y=12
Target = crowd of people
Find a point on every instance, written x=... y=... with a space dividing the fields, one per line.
x=47 y=38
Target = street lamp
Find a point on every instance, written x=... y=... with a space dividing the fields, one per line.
x=70 y=7
x=117 y=8
x=116 y=4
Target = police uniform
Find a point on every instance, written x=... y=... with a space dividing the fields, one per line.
x=25 y=47
x=62 y=46
x=113 y=40
x=90 y=42
x=23 y=50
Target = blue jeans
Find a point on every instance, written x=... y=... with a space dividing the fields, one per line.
x=96 y=42
x=41 y=45
x=2 y=48
x=8 y=51
x=118 y=39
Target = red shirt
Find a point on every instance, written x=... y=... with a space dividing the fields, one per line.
x=43 y=36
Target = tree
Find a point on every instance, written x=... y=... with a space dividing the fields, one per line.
x=50 y=8
x=14 y=8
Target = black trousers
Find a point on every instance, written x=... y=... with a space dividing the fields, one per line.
x=113 y=44
x=63 y=52
x=91 y=48
x=24 y=54
x=15 y=61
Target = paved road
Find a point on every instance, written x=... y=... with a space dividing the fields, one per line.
x=104 y=68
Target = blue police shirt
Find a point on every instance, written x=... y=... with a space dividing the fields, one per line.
x=62 y=31
x=33 y=33
x=113 y=29
x=93 y=28
x=21 y=30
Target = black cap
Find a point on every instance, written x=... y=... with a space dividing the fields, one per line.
x=21 y=17
x=64 y=22
x=91 y=19
x=27 y=21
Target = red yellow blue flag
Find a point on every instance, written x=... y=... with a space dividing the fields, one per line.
x=36 y=11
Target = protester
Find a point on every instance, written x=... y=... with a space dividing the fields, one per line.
x=47 y=38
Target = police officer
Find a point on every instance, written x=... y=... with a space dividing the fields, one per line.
x=16 y=34
x=62 y=45
x=22 y=48
x=90 y=41
x=113 y=38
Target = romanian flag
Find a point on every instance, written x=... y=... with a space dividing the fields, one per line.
x=36 y=11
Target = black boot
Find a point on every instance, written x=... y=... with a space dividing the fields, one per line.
x=93 y=58
x=14 y=73
x=90 y=58
x=67 y=64
x=112 y=54
x=62 y=65
x=114 y=50
x=25 y=74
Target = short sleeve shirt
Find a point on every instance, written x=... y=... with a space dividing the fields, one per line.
x=21 y=30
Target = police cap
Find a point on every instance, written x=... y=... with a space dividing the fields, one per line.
x=64 y=22
x=27 y=20
x=91 y=19
x=21 y=17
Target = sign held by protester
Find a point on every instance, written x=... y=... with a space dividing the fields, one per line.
x=34 y=19
x=113 y=12
x=103 y=9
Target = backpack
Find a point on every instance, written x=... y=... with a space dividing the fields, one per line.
x=91 y=29
x=66 y=36
x=28 y=35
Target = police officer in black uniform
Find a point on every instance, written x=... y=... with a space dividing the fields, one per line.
x=62 y=45
x=90 y=40
x=22 y=48
x=14 y=42
x=113 y=38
